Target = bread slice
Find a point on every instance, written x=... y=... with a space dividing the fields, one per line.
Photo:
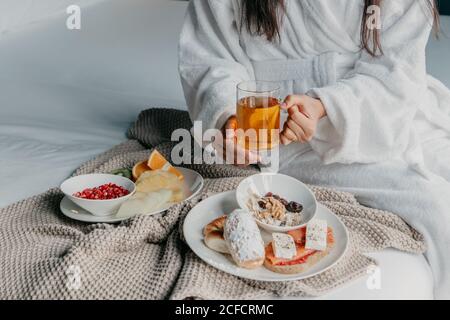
x=215 y=241
x=250 y=264
x=215 y=225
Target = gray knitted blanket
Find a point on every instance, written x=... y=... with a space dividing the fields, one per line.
x=44 y=255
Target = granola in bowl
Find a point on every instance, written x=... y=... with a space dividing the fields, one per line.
x=274 y=210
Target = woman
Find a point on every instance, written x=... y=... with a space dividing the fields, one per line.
x=364 y=116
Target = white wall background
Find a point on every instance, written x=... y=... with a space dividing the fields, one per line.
x=18 y=14
x=123 y=60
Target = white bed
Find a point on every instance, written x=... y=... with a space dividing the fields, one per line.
x=66 y=96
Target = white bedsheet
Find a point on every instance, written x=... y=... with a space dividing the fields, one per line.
x=66 y=96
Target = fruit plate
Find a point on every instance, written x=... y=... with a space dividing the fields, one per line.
x=223 y=203
x=193 y=184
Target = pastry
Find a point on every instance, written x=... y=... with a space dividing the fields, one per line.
x=143 y=203
x=244 y=239
x=155 y=180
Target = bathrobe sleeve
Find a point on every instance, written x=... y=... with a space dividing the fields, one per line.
x=371 y=110
x=211 y=61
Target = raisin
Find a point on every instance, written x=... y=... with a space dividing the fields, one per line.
x=262 y=204
x=294 y=207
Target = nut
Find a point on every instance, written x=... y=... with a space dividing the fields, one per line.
x=274 y=207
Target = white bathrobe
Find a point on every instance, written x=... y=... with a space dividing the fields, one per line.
x=386 y=135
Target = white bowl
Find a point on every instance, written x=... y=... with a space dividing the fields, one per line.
x=100 y=208
x=286 y=187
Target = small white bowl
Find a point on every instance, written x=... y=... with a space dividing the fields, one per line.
x=100 y=208
x=286 y=187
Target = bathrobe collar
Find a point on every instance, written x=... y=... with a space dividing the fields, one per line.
x=327 y=15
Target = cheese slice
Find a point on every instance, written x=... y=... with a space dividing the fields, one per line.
x=283 y=246
x=316 y=235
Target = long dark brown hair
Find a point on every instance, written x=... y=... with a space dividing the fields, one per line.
x=264 y=17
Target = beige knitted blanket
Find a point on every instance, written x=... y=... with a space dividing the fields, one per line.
x=47 y=256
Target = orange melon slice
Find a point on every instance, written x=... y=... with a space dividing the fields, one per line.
x=158 y=162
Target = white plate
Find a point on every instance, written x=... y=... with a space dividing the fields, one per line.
x=223 y=203
x=193 y=183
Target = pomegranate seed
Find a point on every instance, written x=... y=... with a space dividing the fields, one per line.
x=104 y=192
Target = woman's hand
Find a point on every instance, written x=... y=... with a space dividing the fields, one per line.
x=304 y=114
x=230 y=150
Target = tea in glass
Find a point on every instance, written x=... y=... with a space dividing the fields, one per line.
x=258 y=115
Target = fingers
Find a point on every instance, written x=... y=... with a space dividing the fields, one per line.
x=232 y=153
x=291 y=101
x=297 y=130
x=284 y=140
x=248 y=157
x=306 y=124
x=298 y=127
x=288 y=133
x=298 y=117
x=230 y=127
x=231 y=123
x=292 y=132
x=240 y=156
x=294 y=103
x=229 y=150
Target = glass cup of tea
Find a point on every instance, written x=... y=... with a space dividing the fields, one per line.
x=258 y=120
